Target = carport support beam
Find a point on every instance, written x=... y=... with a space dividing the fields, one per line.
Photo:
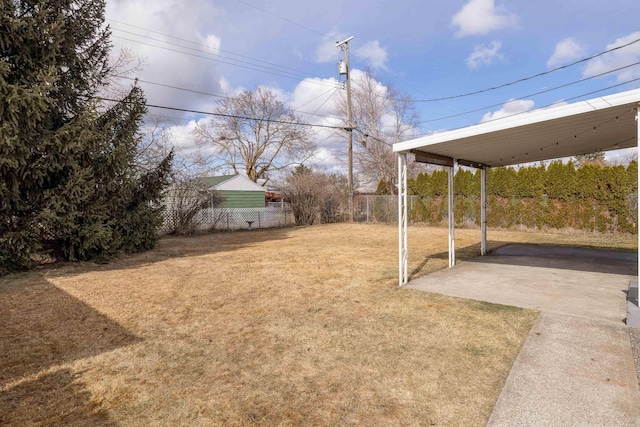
x=403 y=268
x=452 y=239
x=483 y=210
x=638 y=194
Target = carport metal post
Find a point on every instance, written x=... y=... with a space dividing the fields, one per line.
x=452 y=239
x=403 y=272
x=638 y=193
x=483 y=210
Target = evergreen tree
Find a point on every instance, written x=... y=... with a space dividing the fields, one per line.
x=382 y=190
x=68 y=187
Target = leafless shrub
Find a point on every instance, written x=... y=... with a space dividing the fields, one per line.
x=186 y=202
x=316 y=197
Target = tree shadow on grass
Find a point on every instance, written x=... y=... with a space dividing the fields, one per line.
x=43 y=326
x=181 y=247
x=51 y=399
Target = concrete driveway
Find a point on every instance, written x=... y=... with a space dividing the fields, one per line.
x=576 y=366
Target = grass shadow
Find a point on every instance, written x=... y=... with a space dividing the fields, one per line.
x=43 y=326
x=179 y=247
x=51 y=399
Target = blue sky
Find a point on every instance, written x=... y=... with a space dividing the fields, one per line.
x=427 y=49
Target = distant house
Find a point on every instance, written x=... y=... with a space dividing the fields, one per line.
x=238 y=190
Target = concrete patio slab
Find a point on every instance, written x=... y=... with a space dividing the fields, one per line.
x=576 y=367
x=571 y=372
x=582 y=282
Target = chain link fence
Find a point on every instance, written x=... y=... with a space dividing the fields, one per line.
x=504 y=212
x=279 y=215
x=371 y=208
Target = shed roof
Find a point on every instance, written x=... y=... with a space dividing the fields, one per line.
x=229 y=183
x=599 y=124
x=212 y=181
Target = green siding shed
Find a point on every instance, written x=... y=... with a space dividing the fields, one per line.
x=243 y=199
x=238 y=190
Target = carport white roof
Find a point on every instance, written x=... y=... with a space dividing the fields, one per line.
x=599 y=124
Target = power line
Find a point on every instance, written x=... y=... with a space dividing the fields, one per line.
x=226 y=97
x=223 y=62
x=300 y=74
x=202 y=45
x=281 y=17
x=548 y=105
x=372 y=137
x=232 y=116
x=509 y=83
x=317 y=97
x=324 y=102
x=530 y=95
x=445 y=98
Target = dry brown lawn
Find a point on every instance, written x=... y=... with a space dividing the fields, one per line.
x=302 y=326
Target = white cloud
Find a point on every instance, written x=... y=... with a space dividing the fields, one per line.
x=484 y=55
x=315 y=95
x=512 y=106
x=370 y=52
x=166 y=66
x=373 y=54
x=479 y=17
x=616 y=59
x=327 y=51
x=566 y=51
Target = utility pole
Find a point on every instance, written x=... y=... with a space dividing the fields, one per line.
x=346 y=70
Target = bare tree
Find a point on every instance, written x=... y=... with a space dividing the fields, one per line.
x=316 y=197
x=383 y=116
x=257 y=134
x=189 y=204
x=596 y=158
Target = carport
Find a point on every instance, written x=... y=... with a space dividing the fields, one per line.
x=596 y=125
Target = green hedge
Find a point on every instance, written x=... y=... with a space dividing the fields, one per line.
x=592 y=197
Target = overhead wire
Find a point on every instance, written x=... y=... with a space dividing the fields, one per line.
x=203 y=45
x=299 y=74
x=233 y=116
x=324 y=102
x=515 y=114
x=296 y=110
x=545 y=106
x=579 y=61
x=223 y=62
x=280 y=17
x=529 y=95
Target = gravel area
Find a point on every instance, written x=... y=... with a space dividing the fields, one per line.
x=634 y=335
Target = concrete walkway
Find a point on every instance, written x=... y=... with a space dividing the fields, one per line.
x=576 y=366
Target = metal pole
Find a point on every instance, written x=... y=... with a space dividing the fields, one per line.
x=483 y=210
x=367 y=209
x=405 y=218
x=638 y=193
x=452 y=244
x=403 y=264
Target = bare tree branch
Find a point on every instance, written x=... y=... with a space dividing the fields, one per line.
x=257 y=145
x=383 y=117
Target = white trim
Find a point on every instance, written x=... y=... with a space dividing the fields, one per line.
x=239 y=183
x=519 y=120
